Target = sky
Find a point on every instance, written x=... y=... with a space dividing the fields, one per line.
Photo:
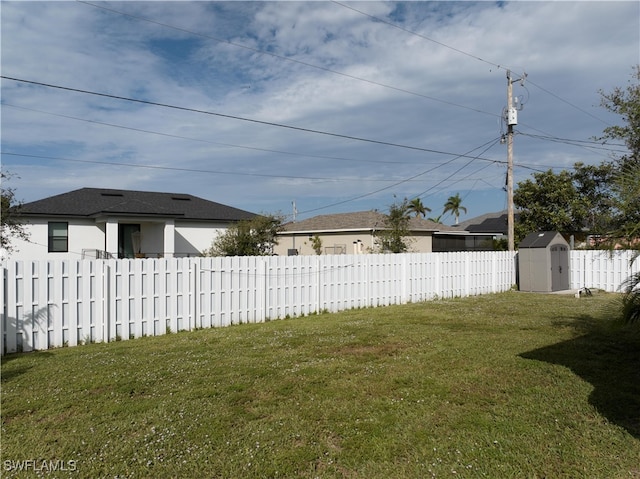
x=331 y=106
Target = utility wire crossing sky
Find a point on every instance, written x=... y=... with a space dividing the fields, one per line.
x=338 y=106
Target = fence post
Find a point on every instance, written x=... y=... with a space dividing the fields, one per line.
x=106 y=302
x=195 y=292
x=405 y=280
x=468 y=272
x=318 y=296
x=437 y=275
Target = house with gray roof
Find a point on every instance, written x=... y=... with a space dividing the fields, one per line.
x=357 y=233
x=109 y=223
x=495 y=223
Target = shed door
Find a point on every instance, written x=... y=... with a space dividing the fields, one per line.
x=559 y=267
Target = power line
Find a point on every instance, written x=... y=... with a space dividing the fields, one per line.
x=468 y=177
x=569 y=103
x=466 y=155
x=169 y=135
x=373 y=17
x=581 y=143
x=394 y=25
x=456 y=156
x=191 y=170
x=493 y=143
x=234 y=117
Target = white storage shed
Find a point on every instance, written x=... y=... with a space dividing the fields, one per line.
x=543 y=262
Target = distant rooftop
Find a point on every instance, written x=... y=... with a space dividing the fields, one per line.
x=358 y=221
x=487 y=223
x=94 y=202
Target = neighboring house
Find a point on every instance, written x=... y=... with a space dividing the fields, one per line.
x=98 y=223
x=494 y=223
x=356 y=233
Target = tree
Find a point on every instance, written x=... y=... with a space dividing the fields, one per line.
x=11 y=225
x=316 y=244
x=594 y=206
x=626 y=176
x=416 y=208
x=625 y=229
x=626 y=103
x=393 y=237
x=577 y=202
x=627 y=235
x=546 y=203
x=454 y=205
x=626 y=201
x=254 y=237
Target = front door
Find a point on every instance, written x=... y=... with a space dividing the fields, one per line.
x=128 y=240
x=559 y=267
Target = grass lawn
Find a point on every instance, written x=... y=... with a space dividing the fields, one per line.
x=512 y=385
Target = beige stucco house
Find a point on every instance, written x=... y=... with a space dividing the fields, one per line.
x=356 y=233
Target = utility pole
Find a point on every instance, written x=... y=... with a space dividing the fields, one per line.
x=512 y=119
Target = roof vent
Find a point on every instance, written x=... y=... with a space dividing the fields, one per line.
x=181 y=198
x=112 y=194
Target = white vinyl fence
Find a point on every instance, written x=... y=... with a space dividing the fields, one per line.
x=605 y=270
x=55 y=303
x=49 y=304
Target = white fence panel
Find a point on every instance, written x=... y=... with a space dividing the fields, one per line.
x=303 y=299
x=49 y=304
x=598 y=269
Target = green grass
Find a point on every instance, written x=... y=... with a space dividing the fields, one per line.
x=513 y=385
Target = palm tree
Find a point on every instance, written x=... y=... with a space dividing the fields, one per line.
x=454 y=204
x=416 y=208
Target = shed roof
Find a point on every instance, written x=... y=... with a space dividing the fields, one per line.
x=540 y=239
x=94 y=202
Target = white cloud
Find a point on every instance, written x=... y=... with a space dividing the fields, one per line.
x=569 y=49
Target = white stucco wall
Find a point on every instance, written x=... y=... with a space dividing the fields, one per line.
x=189 y=238
x=193 y=238
x=83 y=234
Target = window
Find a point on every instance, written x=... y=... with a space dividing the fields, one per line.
x=58 y=237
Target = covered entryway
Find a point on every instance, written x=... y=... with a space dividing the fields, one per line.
x=139 y=238
x=128 y=240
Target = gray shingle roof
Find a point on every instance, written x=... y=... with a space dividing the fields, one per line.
x=488 y=223
x=93 y=202
x=357 y=221
x=539 y=239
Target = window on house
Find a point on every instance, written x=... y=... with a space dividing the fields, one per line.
x=58 y=237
